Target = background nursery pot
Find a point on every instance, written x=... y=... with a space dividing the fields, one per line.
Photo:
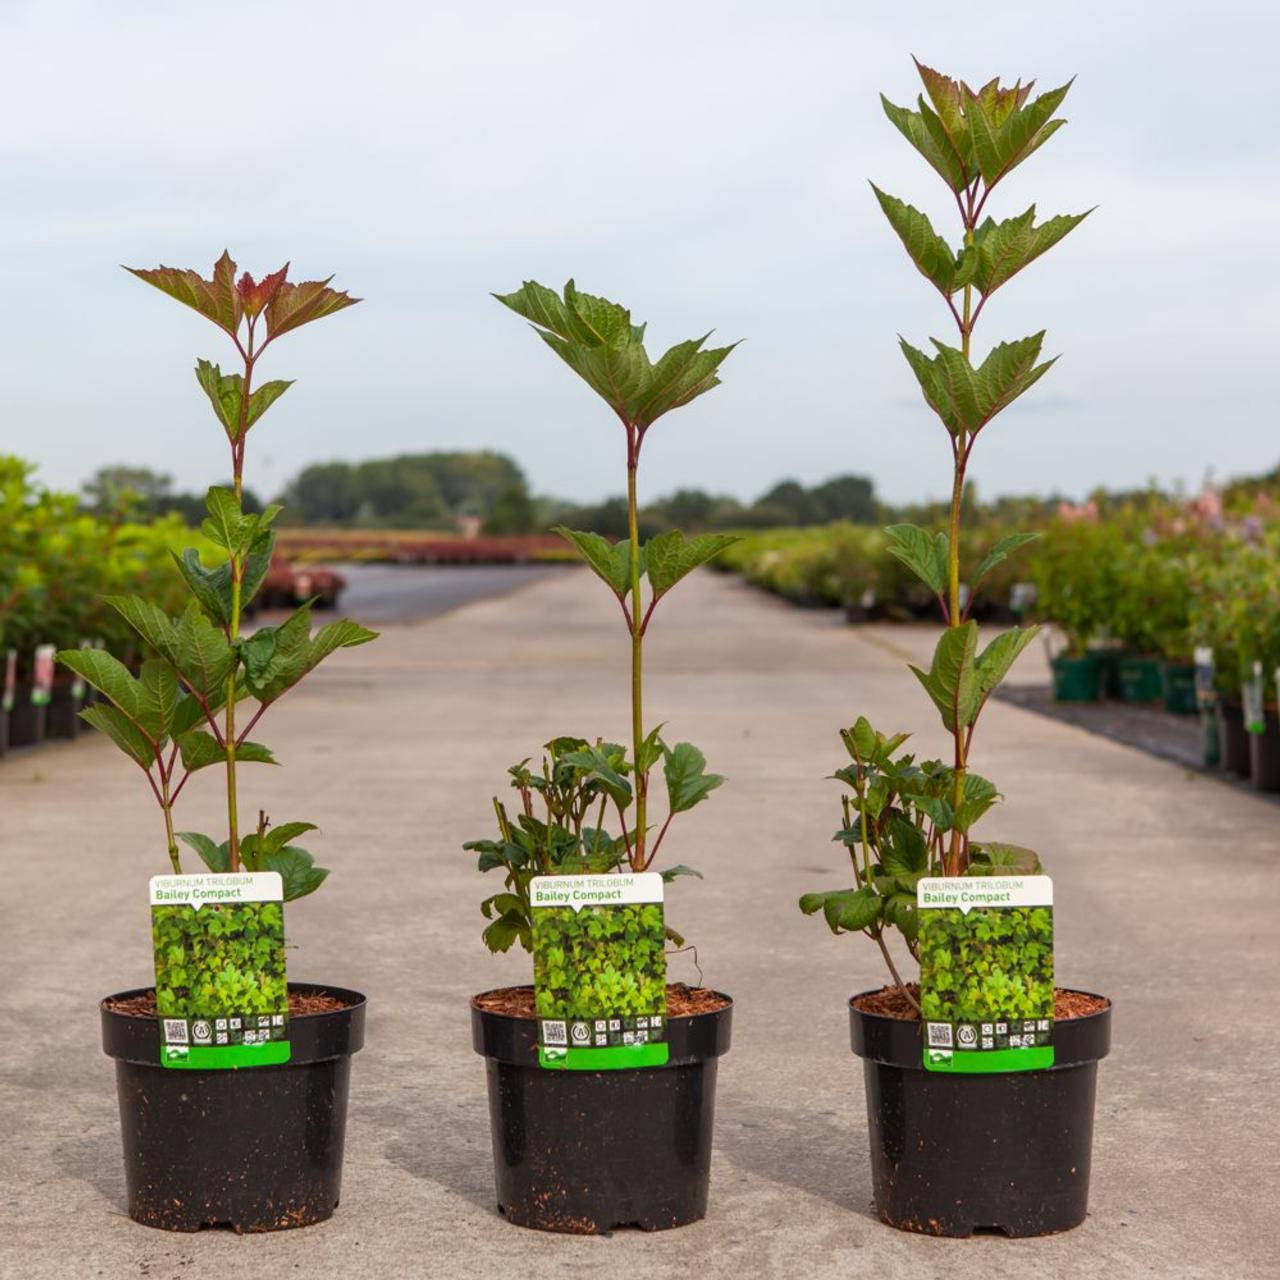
x=1076 y=679
x=1264 y=755
x=955 y=1154
x=1178 y=686
x=1233 y=739
x=26 y=720
x=1139 y=679
x=255 y=1150
x=586 y=1151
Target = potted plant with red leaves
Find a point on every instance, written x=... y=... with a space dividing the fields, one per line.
x=1008 y=1147
x=585 y=1150
x=256 y=1149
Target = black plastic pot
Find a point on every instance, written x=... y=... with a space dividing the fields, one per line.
x=955 y=1154
x=26 y=720
x=1233 y=739
x=586 y=1151
x=255 y=1150
x=62 y=719
x=1264 y=755
x=4 y=731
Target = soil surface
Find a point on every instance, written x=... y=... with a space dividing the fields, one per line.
x=889 y=1002
x=682 y=1001
x=302 y=1004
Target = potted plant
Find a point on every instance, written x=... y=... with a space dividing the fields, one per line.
x=933 y=1133
x=256 y=1149
x=584 y=1151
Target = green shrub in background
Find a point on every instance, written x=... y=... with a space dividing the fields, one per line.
x=986 y=964
x=599 y=960
x=220 y=961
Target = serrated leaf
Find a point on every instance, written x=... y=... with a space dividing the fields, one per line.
x=204 y=658
x=1002 y=249
x=849 y=910
x=597 y=340
x=294 y=305
x=668 y=557
x=217 y=857
x=609 y=561
x=227 y=525
x=951 y=679
x=150 y=622
x=926 y=554
x=688 y=783
x=931 y=254
x=942 y=159
x=211 y=587
x=1001 y=144
x=160 y=696
x=217 y=298
x=121 y=730
x=965 y=398
x=111 y=677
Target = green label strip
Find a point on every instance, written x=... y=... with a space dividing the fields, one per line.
x=611 y=1058
x=203 y=1057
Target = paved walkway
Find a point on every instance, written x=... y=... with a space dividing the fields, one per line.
x=1168 y=889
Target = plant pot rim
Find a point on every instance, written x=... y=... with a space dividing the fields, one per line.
x=313 y=1037
x=693 y=1037
x=897 y=1041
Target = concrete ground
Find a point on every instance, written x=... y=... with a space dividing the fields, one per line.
x=1168 y=899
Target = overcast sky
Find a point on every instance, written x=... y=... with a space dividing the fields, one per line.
x=705 y=163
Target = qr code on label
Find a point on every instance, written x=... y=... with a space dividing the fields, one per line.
x=175 y=1031
x=940 y=1035
x=555 y=1033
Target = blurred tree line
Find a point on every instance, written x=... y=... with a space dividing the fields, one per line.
x=443 y=490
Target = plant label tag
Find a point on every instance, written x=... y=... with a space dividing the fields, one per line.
x=599 y=971
x=9 y=690
x=1255 y=716
x=78 y=685
x=42 y=675
x=1205 y=694
x=222 y=998
x=986 y=972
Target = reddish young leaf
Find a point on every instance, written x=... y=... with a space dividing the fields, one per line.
x=254 y=295
x=216 y=299
x=298 y=304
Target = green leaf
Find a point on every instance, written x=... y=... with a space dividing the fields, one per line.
x=121 y=730
x=1000 y=552
x=204 y=657
x=928 y=142
x=670 y=873
x=596 y=339
x=850 y=910
x=263 y=398
x=609 y=561
x=598 y=765
x=926 y=555
x=688 y=783
x=925 y=247
x=276 y=658
x=161 y=694
x=950 y=681
x=110 y=676
x=211 y=587
x=668 y=557
x=150 y=622
x=225 y=392
x=1001 y=145
x=1002 y=249
x=992 y=858
x=217 y=857
x=965 y=398
x=505 y=931
x=227 y=524
x=200 y=749
x=994 y=661
x=256 y=565
x=297 y=869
